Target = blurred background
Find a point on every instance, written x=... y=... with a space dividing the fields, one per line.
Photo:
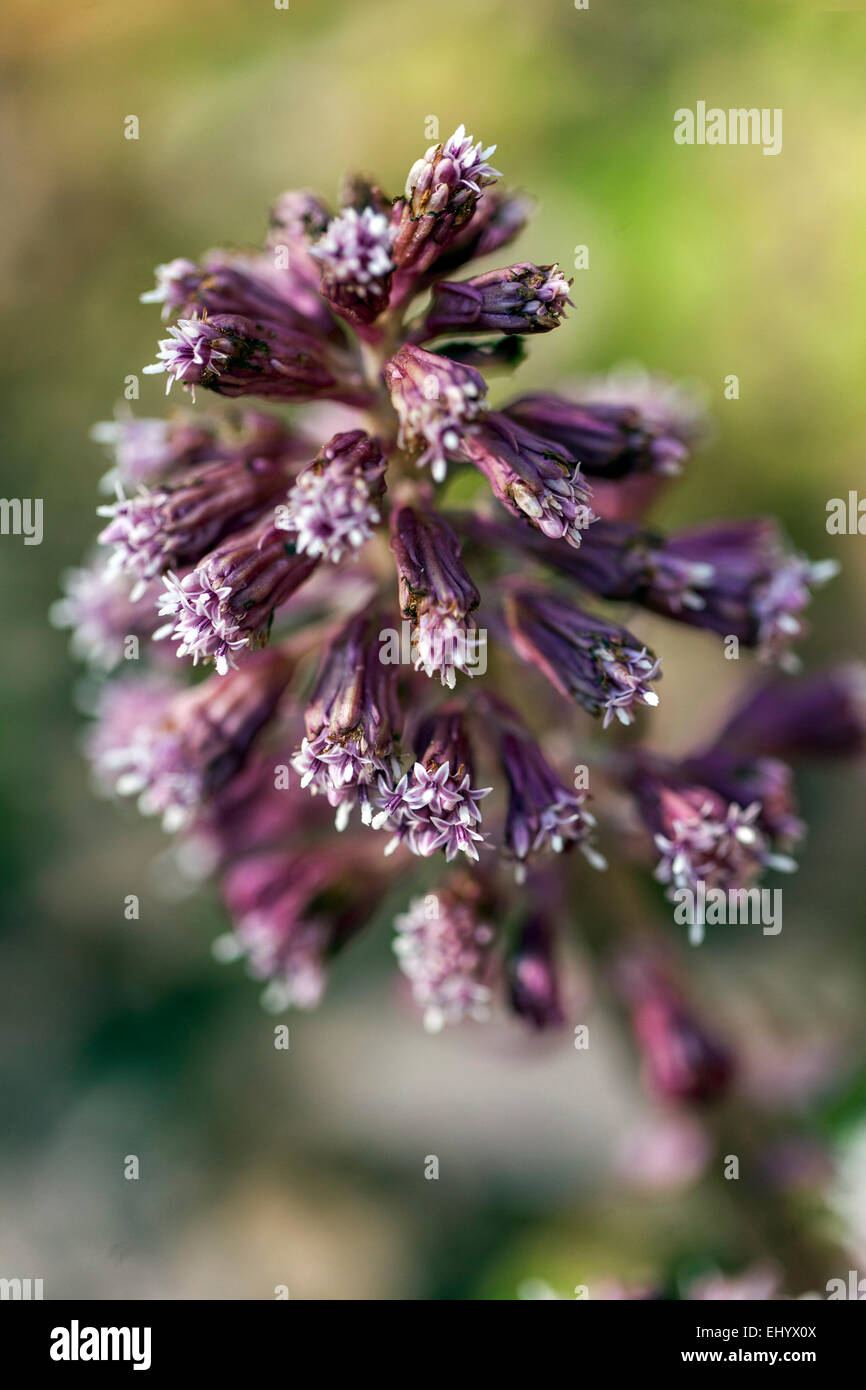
x=306 y=1168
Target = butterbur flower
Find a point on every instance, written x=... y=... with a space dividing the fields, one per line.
x=542 y=811
x=436 y=593
x=533 y=985
x=176 y=524
x=250 y=287
x=610 y=440
x=808 y=717
x=536 y=481
x=444 y=946
x=758 y=589
x=297 y=220
x=355 y=256
x=442 y=189
x=523 y=298
x=699 y=833
x=237 y=356
x=172 y=748
x=228 y=601
x=437 y=403
x=435 y=806
x=101 y=614
x=353 y=721
x=334 y=505
x=594 y=662
x=291 y=914
x=145 y=450
x=682 y=1058
x=274 y=550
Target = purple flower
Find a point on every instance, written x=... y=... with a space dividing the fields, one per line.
x=434 y=806
x=436 y=593
x=443 y=945
x=758 y=588
x=237 y=356
x=102 y=615
x=353 y=721
x=700 y=834
x=536 y=481
x=601 y=666
x=442 y=192
x=811 y=716
x=242 y=285
x=228 y=601
x=611 y=439
x=173 y=748
x=291 y=914
x=523 y=298
x=542 y=812
x=334 y=505
x=176 y=524
x=683 y=1061
x=533 y=985
x=298 y=219
x=355 y=255
x=437 y=402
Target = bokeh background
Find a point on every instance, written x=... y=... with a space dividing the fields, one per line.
x=305 y=1168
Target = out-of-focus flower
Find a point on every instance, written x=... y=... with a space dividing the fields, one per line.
x=758 y=1283
x=173 y=748
x=444 y=946
x=98 y=609
x=533 y=983
x=809 y=717
x=176 y=523
x=682 y=1059
x=610 y=440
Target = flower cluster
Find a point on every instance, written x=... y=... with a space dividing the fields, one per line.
x=292 y=555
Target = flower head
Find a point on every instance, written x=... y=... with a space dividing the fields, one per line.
x=173 y=748
x=437 y=402
x=228 y=601
x=443 y=945
x=353 y=721
x=178 y=522
x=599 y=665
x=523 y=298
x=436 y=593
x=334 y=505
x=435 y=806
x=542 y=812
x=536 y=481
x=355 y=256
